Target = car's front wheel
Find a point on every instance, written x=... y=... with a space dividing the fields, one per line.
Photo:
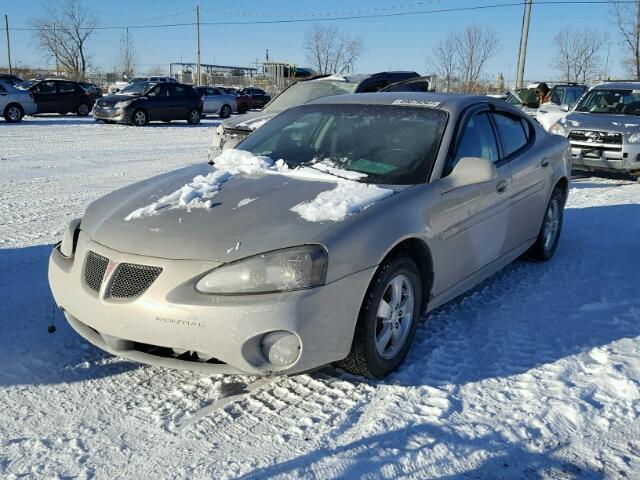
x=387 y=321
x=139 y=118
x=547 y=242
x=13 y=113
x=194 y=116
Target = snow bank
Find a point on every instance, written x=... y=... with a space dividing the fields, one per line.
x=346 y=199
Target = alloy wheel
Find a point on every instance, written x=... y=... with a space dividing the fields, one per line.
x=139 y=118
x=83 y=109
x=14 y=113
x=394 y=317
x=552 y=224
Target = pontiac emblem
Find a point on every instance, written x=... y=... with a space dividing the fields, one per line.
x=110 y=268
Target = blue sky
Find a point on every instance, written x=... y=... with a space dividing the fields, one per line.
x=402 y=42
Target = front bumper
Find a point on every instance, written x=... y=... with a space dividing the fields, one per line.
x=117 y=115
x=171 y=317
x=611 y=157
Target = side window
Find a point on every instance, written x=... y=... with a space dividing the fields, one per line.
x=176 y=90
x=158 y=91
x=214 y=91
x=46 y=87
x=66 y=87
x=512 y=132
x=477 y=140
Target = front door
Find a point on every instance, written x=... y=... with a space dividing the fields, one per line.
x=475 y=218
x=46 y=97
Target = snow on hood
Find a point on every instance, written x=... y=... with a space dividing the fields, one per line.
x=603 y=122
x=347 y=198
x=255 y=124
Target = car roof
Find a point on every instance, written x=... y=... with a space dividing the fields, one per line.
x=452 y=102
x=618 y=86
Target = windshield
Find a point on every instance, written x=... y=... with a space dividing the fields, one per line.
x=26 y=85
x=523 y=96
x=135 y=89
x=610 y=101
x=389 y=144
x=303 y=92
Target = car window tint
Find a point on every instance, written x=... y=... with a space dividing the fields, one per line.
x=46 y=87
x=477 y=140
x=66 y=87
x=512 y=132
x=159 y=91
x=177 y=91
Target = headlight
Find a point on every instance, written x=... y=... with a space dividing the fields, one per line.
x=558 y=129
x=278 y=271
x=123 y=104
x=634 y=138
x=70 y=238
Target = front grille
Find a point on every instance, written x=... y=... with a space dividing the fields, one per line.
x=131 y=280
x=596 y=137
x=95 y=267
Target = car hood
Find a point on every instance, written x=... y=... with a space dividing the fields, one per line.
x=248 y=121
x=111 y=100
x=625 y=124
x=249 y=215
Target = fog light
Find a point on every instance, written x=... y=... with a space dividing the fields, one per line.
x=280 y=348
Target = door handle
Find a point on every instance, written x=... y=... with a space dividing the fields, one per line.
x=501 y=187
x=544 y=163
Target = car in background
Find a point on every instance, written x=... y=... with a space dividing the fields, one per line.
x=15 y=103
x=525 y=99
x=116 y=87
x=259 y=98
x=604 y=129
x=243 y=102
x=216 y=101
x=94 y=90
x=12 y=79
x=53 y=95
x=232 y=131
x=367 y=212
x=562 y=98
x=141 y=103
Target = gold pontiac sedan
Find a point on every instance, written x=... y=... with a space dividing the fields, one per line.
x=322 y=238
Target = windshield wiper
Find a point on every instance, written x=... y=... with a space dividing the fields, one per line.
x=333 y=173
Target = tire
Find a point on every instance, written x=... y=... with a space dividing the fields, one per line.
x=366 y=358
x=225 y=111
x=13 y=113
x=83 y=109
x=139 y=118
x=547 y=242
x=194 y=116
x=242 y=109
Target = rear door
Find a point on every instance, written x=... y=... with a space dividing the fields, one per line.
x=68 y=96
x=180 y=101
x=475 y=217
x=158 y=104
x=531 y=174
x=213 y=101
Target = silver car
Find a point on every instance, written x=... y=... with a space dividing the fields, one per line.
x=604 y=128
x=379 y=208
x=216 y=101
x=15 y=103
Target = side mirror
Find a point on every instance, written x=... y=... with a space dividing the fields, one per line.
x=469 y=171
x=565 y=108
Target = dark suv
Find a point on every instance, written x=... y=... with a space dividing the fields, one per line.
x=59 y=96
x=141 y=103
x=259 y=98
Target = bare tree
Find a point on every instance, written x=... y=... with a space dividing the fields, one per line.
x=627 y=18
x=461 y=58
x=128 y=57
x=63 y=32
x=578 y=54
x=330 y=51
x=155 y=70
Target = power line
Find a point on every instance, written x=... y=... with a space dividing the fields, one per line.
x=349 y=17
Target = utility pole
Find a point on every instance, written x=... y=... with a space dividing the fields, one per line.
x=6 y=27
x=523 y=43
x=197 y=82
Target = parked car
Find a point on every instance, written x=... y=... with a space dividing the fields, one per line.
x=243 y=102
x=604 y=129
x=12 y=79
x=59 y=96
x=259 y=98
x=216 y=101
x=562 y=98
x=141 y=103
x=233 y=131
x=15 y=103
x=116 y=87
x=525 y=99
x=380 y=208
x=94 y=90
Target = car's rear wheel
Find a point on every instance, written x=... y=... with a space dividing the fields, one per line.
x=194 y=116
x=13 y=113
x=83 y=109
x=547 y=242
x=387 y=321
x=139 y=118
x=225 y=111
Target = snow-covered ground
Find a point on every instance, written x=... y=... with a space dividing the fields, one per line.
x=535 y=374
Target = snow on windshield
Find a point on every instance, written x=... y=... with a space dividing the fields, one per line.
x=347 y=198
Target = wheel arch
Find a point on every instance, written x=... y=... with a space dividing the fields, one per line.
x=563 y=183
x=12 y=104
